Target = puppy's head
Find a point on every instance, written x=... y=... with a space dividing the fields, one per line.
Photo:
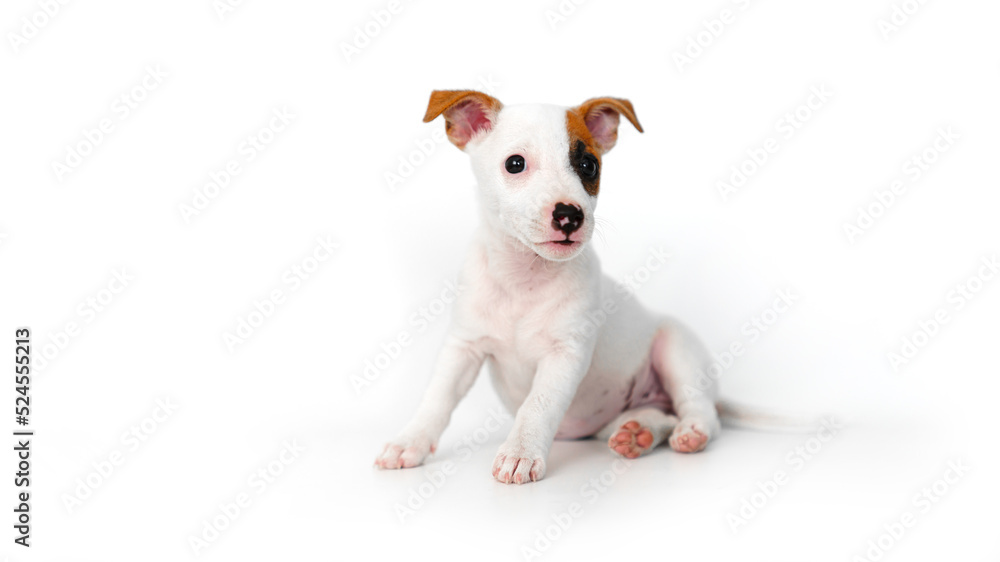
x=538 y=166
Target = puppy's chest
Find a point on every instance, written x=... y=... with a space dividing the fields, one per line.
x=520 y=324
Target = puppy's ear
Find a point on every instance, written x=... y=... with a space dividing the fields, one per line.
x=466 y=113
x=601 y=117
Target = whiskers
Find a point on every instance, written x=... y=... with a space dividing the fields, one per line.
x=532 y=262
x=602 y=223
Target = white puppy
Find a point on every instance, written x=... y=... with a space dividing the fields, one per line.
x=567 y=349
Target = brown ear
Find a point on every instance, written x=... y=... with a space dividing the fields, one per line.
x=466 y=113
x=601 y=117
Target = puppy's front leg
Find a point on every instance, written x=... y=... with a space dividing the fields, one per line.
x=457 y=366
x=522 y=457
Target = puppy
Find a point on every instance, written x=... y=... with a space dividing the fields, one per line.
x=565 y=349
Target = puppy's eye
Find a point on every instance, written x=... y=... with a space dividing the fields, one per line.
x=588 y=166
x=515 y=164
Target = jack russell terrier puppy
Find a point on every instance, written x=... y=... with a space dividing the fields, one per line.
x=533 y=289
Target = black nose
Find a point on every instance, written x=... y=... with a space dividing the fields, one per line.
x=567 y=218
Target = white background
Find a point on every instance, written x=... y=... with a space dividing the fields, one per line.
x=62 y=237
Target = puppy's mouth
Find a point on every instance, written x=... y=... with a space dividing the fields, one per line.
x=556 y=246
x=558 y=249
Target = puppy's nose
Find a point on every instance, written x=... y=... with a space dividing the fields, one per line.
x=567 y=218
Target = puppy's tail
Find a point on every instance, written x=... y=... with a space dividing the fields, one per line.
x=748 y=417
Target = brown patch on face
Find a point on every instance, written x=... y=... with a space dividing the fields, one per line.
x=582 y=146
x=466 y=112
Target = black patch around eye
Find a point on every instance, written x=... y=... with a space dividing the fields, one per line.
x=586 y=166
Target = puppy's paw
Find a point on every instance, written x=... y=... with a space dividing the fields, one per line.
x=405 y=452
x=690 y=436
x=631 y=440
x=518 y=465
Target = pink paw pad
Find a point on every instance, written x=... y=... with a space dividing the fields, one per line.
x=631 y=440
x=688 y=442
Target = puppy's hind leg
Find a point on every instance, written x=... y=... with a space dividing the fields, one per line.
x=638 y=431
x=680 y=361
